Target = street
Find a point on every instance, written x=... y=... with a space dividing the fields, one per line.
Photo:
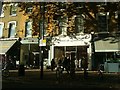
x=32 y=80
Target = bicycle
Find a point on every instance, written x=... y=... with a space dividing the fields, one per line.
x=5 y=71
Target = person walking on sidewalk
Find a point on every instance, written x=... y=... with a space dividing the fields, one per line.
x=66 y=64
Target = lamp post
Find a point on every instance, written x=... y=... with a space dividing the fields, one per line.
x=41 y=37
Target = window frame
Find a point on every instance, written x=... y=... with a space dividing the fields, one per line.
x=2 y=11
x=63 y=25
x=29 y=10
x=107 y=17
x=26 y=31
x=79 y=24
x=13 y=8
x=2 y=23
x=9 y=31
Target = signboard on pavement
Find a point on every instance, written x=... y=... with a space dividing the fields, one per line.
x=42 y=42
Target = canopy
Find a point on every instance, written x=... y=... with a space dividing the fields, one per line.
x=29 y=40
x=5 y=45
x=80 y=40
x=109 y=44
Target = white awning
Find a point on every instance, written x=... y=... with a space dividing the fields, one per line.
x=29 y=40
x=80 y=40
x=71 y=43
x=5 y=45
x=107 y=45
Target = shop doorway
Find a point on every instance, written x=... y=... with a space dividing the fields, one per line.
x=71 y=54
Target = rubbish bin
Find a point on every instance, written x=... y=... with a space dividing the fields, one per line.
x=21 y=70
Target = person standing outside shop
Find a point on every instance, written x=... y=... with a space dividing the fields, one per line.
x=52 y=64
x=79 y=62
x=66 y=64
x=72 y=68
x=76 y=64
x=85 y=66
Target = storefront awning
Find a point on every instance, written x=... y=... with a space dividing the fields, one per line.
x=80 y=40
x=5 y=45
x=29 y=40
x=107 y=45
x=72 y=43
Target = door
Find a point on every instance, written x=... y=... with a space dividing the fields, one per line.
x=71 y=54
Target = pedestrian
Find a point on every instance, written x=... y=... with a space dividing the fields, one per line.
x=52 y=64
x=66 y=64
x=79 y=63
x=72 y=68
x=76 y=63
x=100 y=71
x=60 y=62
x=85 y=66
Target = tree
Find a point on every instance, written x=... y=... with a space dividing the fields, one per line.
x=54 y=10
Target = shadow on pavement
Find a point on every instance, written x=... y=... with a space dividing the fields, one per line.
x=32 y=80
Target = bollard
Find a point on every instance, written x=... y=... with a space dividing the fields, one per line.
x=21 y=70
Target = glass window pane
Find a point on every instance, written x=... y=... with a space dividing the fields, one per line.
x=28 y=29
x=102 y=23
x=13 y=9
x=1 y=30
x=63 y=25
x=29 y=10
x=1 y=11
x=12 y=29
x=79 y=24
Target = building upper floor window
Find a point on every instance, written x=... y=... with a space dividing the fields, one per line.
x=118 y=21
x=28 y=29
x=12 y=29
x=1 y=28
x=29 y=10
x=79 y=24
x=13 y=9
x=43 y=32
x=63 y=25
x=2 y=10
x=102 y=21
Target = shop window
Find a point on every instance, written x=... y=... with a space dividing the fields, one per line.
x=28 y=27
x=12 y=28
x=13 y=9
x=70 y=48
x=1 y=28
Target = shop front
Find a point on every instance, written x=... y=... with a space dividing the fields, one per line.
x=107 y=51
x=72 y=47
x=10 y=51
x=29 y=53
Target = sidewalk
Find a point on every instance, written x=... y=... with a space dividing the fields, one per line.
x=32 y=80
